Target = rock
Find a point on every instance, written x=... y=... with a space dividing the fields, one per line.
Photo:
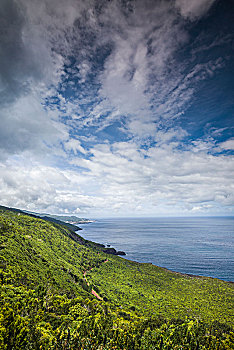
x=110 y=251
x=113 y=251
x=99 y=245
x=120 y=252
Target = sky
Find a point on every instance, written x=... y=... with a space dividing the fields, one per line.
x=117 y=108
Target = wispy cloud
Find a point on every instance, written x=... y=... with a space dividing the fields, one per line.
x=99 y=64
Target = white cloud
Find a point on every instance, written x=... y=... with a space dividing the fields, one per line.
x=35 y=187
x=120 y=179
x=74 y=145
x=141 y=82
x=134 y=73
x=194 y=8
x=227 y=145
x=165 y=176
x=28 y=126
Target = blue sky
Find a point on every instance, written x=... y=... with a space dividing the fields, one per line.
x=117 y=108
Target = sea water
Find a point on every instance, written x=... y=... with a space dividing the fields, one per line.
x=201 y=246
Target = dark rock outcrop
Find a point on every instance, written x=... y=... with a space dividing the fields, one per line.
x=113 y=251
x=120 y=252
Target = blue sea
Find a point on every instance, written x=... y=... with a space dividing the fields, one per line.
x=201 y=246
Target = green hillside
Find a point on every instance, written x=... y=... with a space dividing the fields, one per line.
x=59 y=291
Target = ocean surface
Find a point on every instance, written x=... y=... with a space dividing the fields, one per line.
x=201 y=246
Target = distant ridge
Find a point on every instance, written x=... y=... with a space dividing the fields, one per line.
x=71 y=219
x=46 y=217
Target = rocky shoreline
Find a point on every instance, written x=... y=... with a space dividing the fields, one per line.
x=113 y=251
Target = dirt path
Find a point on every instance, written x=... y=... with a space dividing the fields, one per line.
x=85 y=278
x=96 y=294
x=87 y=283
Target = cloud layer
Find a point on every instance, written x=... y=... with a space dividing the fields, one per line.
x=120 y=178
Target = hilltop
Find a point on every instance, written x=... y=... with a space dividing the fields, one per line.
x=60 y=291
x=47 y=217
x=70 y=219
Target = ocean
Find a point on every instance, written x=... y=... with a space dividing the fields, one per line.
x=201 y=246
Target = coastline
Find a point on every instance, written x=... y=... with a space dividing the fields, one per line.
x=121 y=234
x=123 y=255
x=179 y=273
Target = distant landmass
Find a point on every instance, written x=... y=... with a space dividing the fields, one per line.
x=70 y=224
x=70 y=219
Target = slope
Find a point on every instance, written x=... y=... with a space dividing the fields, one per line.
x=51 y=278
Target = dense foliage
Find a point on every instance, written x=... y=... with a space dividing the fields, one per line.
x=59 y=291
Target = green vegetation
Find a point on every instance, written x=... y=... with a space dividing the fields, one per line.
x=67 y=218
x=53 y=218
x=59 y=291
x=155 y=291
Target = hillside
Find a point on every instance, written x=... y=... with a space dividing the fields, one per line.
x=59 y=291
x=70 y=219
x=54 y=218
